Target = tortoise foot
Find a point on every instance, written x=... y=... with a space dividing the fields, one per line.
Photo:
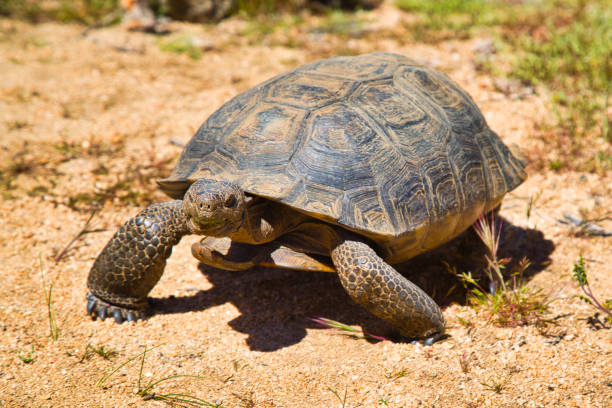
x=97 y=307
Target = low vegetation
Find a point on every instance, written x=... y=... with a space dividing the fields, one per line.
x=184 y=44
x=26 y=358
x=580 y=276
x=508 y=302
x=146 y=391
x=562 y=48
x=83 y=11
x=100 y=350
x=346 y=329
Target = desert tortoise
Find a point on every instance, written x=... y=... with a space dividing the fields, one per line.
x=367 y=160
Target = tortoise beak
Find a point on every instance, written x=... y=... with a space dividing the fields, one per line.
x=211 y=227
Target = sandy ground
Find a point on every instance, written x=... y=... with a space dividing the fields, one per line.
x=92 y=120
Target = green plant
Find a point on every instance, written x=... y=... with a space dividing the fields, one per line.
x=82 y=11
x=579 y=274
x=53 y=328
x=275 y=29
x=145 y=391
x=561 y=47
x=86 y=11
x=569 y=55
x=21 y=163
x=102 y=351
x=346 y=329
x=258 y=7
x=343 y=399
x=496 y=385
x=512 y=302
x=342 y=23
x=27 y=359
x=184 y=44
x=438 y=20
x=20 y=8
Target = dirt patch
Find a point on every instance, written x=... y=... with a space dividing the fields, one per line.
x=90 y=120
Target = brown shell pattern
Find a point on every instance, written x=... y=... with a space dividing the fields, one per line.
x=376 y=143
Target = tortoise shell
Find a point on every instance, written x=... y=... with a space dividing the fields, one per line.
x=377 y=144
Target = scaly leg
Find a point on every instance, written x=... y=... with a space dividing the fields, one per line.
x=133 y=261
x=380 y=289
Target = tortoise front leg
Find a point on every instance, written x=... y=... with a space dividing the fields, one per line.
x=380 y=289
x=133 y=261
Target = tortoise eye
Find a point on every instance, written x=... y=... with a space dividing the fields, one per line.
x=231 y=202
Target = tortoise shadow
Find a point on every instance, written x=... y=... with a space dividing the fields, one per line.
x=276 y=304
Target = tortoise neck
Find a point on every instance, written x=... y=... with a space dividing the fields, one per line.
x=266 y=220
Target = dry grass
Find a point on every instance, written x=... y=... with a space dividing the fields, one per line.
x=510 y=302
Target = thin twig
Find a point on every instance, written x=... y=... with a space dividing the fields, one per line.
x=81 y=233
x=585 y=227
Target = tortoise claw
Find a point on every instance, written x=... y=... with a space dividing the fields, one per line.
x=97 y=307
x=91 y=304
x=429 y=341
x=118 y=316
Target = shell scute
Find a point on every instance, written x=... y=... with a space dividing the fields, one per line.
x=308 y=91
x=268 y=135
x=375 y=143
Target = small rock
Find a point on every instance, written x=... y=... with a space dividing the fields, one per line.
x=484 y=47
x=512 y=87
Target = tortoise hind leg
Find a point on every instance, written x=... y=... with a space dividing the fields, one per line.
x=380 y=289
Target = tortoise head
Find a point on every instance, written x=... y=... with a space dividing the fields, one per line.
x=214 y=208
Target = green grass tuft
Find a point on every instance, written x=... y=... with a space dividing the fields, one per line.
x=508 y=302
x=342 y=23
x=562 y=47
x=440 y=20
x=184 y=44
x=259 y=7
x=105 y=353
x=28 y=358
x=146 y=391
x=81 y=11
x=496 y=385
x=569 y=55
